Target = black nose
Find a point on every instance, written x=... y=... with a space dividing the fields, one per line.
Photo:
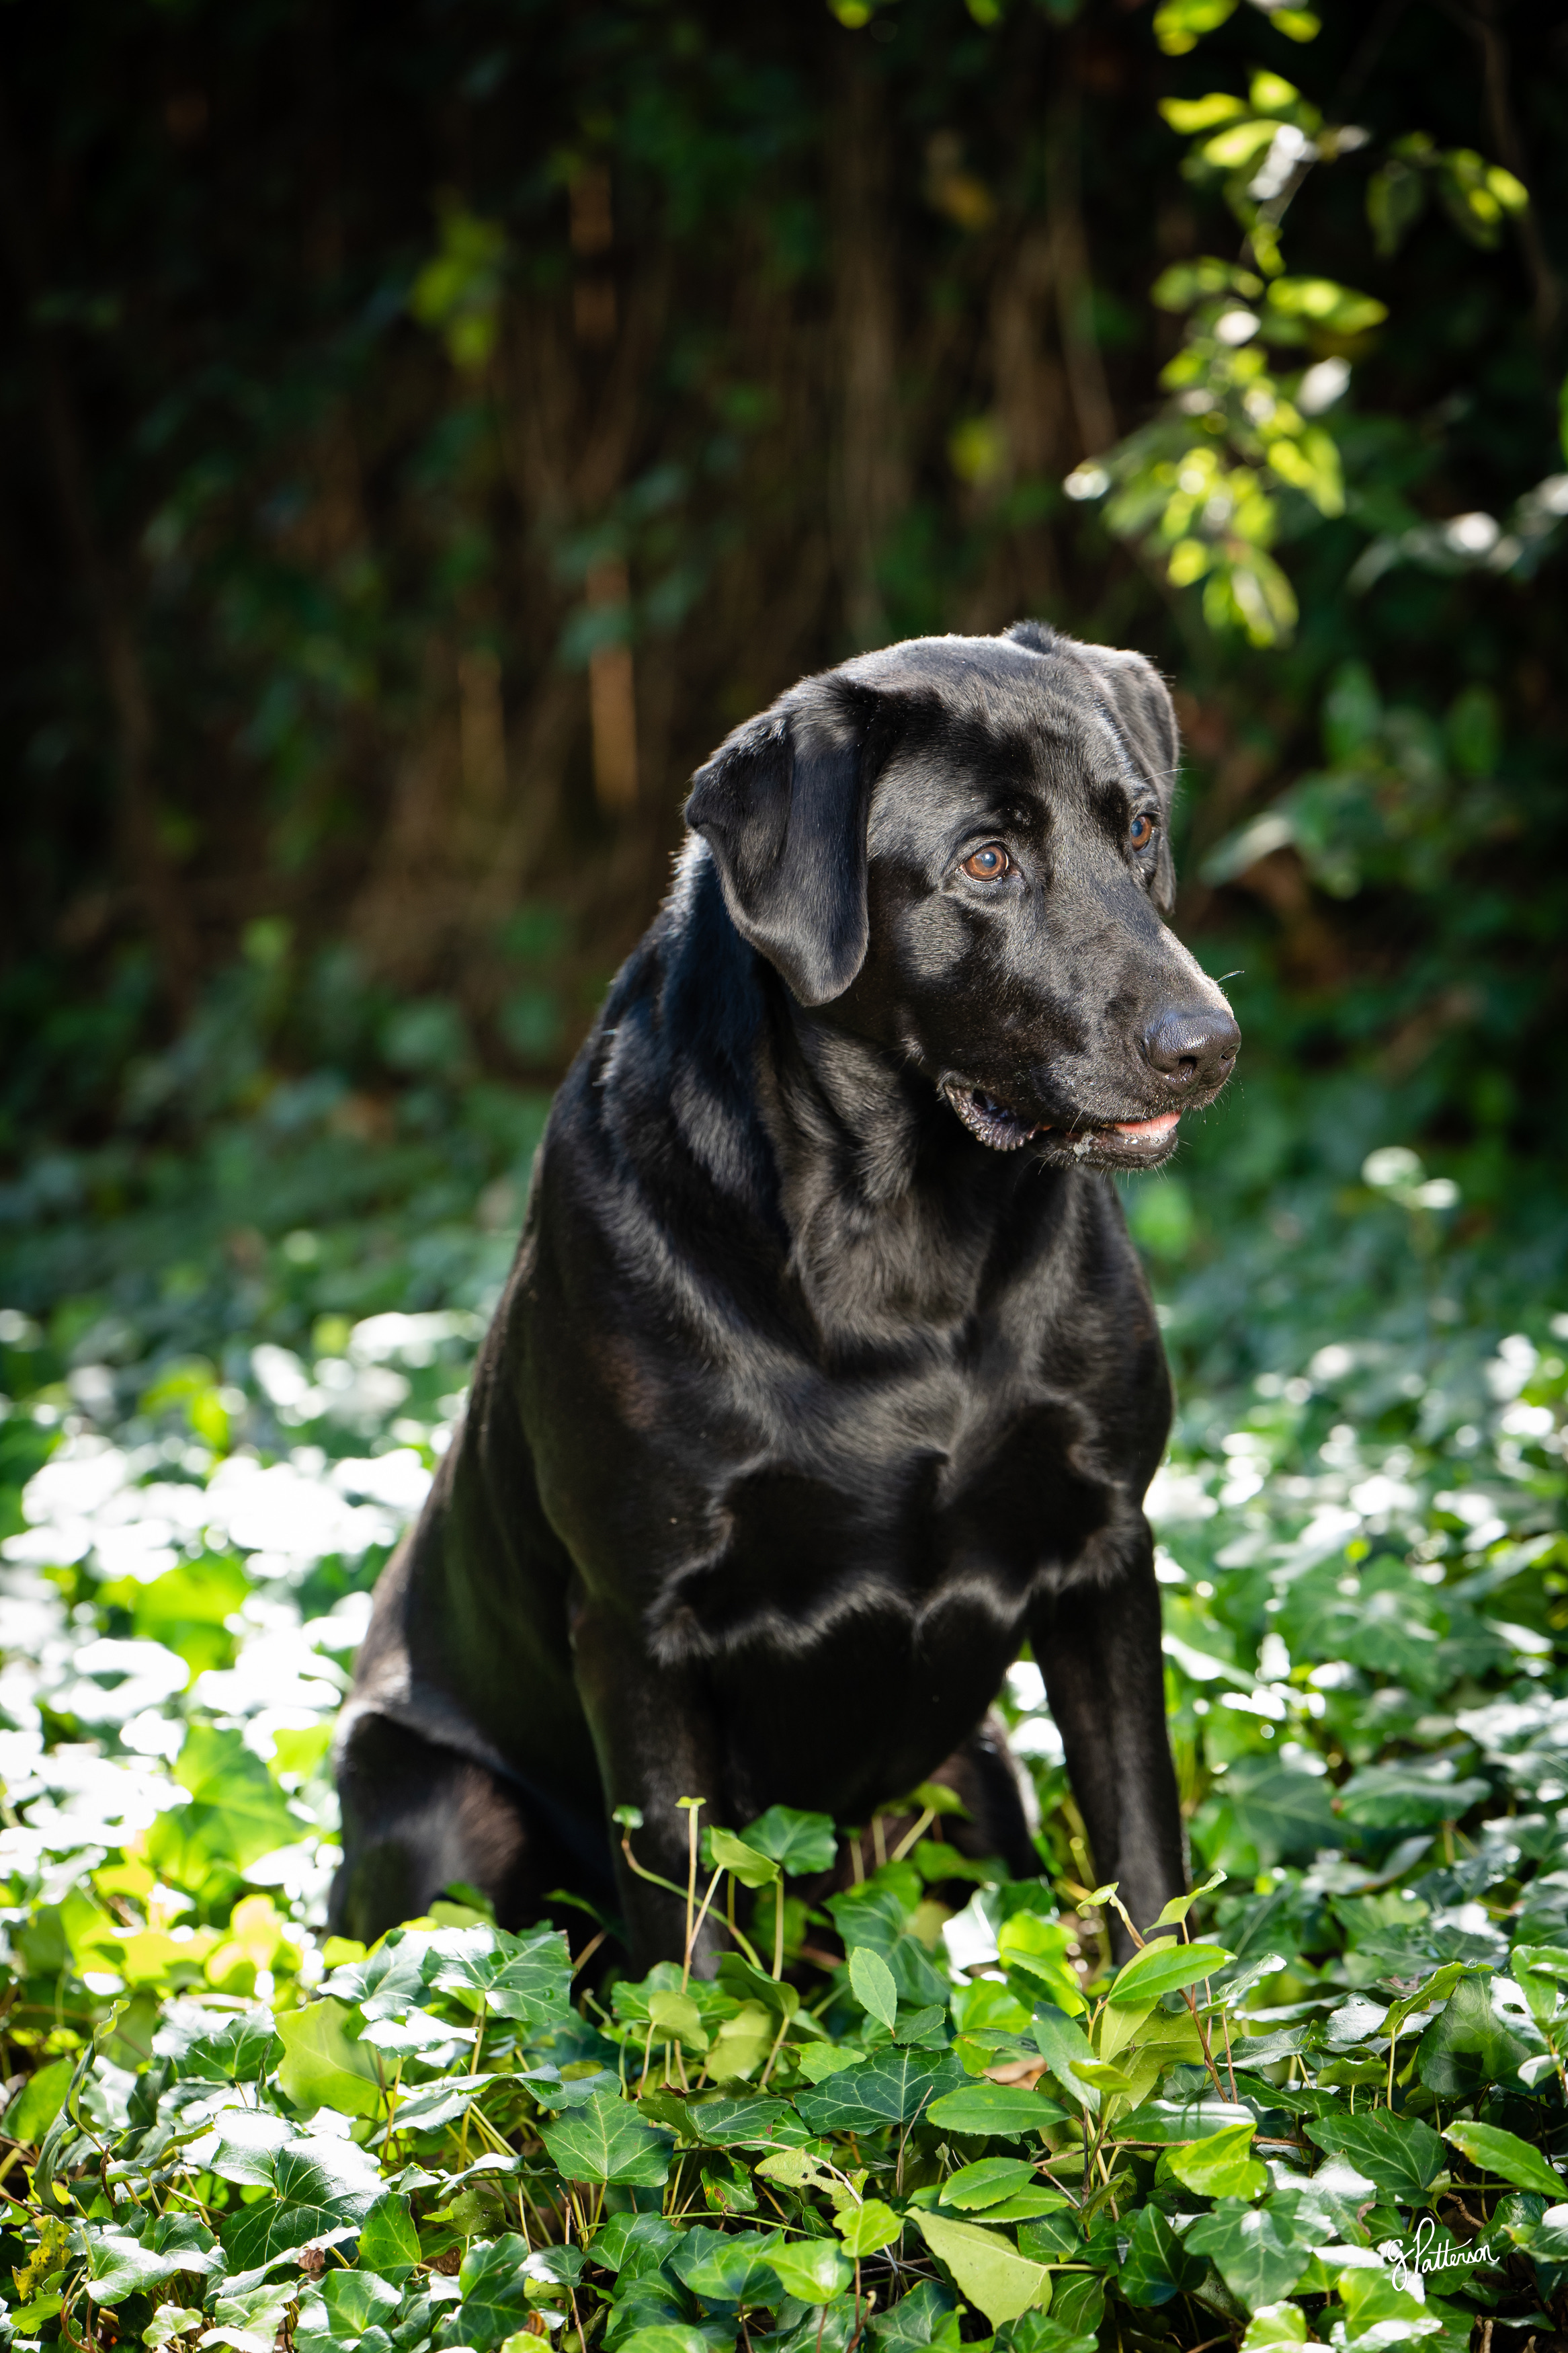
x=1193 y=1046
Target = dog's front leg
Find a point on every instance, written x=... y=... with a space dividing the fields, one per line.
x=653 y=1728
x=1097 y=1642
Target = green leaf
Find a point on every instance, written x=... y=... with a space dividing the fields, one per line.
x=985 y=2267
x=1400 y=2155
x=243 y=2146
x=606 y=2140
x=928 y=2315
x=1222 y=2166
x=1504 y=2154
x=675 y=2016
x=738 y=1977
x=1326 y=304
x=1180 y=25
x=725 y=1851
x=527 y=1977
x=1254 y=2250
x=494 y=2283
x=666 y=2336
x=1276 y=2328
x=33 y=2109
x=1165 y=2122
x=868 y=2227
x=799 y=1844
x=1263 y=1813
x=1165 y=1968
x=1077 y=2302
x=1157 y=2267
x=1467 y=2047
x=236 y=2050
x=727 y=2267
x=236 y=1812
x=389 y=2242
x=119 y=2266
x=872 y=1981
x=1005 y=2108
x=1062 y=2045
x=357 y=2300
x=728 y=2120
x=891 y=2088
x=324 y=2065
x=1176 y=1910
x=815 y=2270
x=987 y=2182
x=1035 y=1949
x=1191 y=115
x=1380 y=2315
x=322 y=2185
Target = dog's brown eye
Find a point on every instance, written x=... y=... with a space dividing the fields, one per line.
x=1140 y=832
x=988 y=865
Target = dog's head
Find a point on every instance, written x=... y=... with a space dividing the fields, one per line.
x=959 y=847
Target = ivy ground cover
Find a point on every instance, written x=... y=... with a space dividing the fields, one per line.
x=1326 y=2105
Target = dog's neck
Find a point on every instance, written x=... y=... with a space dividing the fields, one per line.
x=894 y=1212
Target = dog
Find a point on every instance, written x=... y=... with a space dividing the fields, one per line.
x=827 y=1373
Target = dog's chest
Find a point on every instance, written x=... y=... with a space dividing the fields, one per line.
x=895 y=1511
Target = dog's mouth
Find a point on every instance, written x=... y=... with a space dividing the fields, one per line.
x=997 y=1125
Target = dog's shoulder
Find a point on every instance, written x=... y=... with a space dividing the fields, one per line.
x=662 y=1097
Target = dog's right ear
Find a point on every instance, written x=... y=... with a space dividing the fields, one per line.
x=783 y=806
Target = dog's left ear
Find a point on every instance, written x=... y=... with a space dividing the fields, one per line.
x=1137 y=702
x=783 y=806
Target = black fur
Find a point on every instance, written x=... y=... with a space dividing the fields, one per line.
x=827 y=1373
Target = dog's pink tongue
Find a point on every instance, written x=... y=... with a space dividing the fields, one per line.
x=1160 y=1126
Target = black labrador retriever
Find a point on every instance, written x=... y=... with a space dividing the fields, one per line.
x=827 y=1373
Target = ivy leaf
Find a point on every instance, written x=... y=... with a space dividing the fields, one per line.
x=1400 y=2155
x=33 y=2109
x=321 y=2184
x=728 y=2267
x=1222 y=2166
x=527 y=1977
x=1157 y=2267
x=389 y=2242
x=119 y=2266
x=747 y=1864
x=238 y=2050
x=494 y=2283
x=1467 y=2046
x=1257 y=2256
x=1504 y=2154
x=799 y=1844
x=606 y=2140
x=357 y=2300
x=985 y=2267
x=666 y=2336
x=243 y=2146
x=872 y=1982
x=1277 y=2328
x=730 y=2119
x=927 y=2317
x=815 y=2270
x=236 y=1812
x=891 y=2088
x=869 y=2227
x=324 y=2064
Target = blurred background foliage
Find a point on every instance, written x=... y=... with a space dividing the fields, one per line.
x=429 y=428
